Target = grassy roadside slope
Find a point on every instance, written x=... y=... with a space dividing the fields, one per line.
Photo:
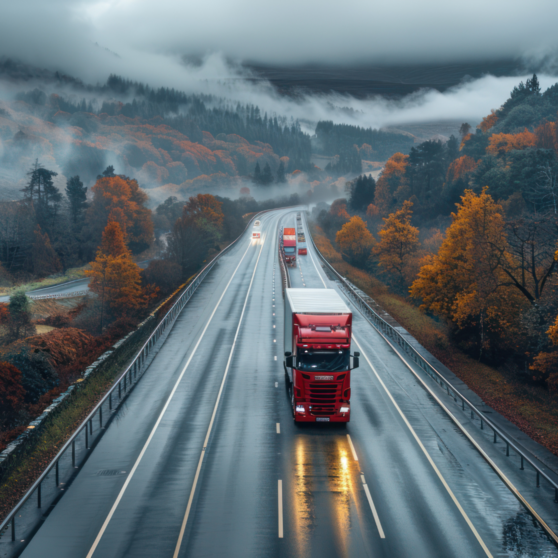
x=533 y=409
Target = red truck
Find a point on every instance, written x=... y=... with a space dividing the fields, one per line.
x=317 y=355
x=289 y=245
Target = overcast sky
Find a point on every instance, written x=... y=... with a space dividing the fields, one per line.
x=145 y=40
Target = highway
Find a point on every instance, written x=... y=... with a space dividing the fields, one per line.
x=203 y=459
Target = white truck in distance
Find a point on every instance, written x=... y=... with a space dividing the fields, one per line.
x=256 y=231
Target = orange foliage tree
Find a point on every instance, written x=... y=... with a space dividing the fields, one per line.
x=355 y=240
x=460 y=167
x=499 y=144
x=122 y=196
x=115 y=278
x=392 y=185
x=398 y=244
x=465 y=282
x=339 y=209
x=488 y=122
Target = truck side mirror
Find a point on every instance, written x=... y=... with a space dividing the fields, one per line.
x=289 y=361
x=356 y=360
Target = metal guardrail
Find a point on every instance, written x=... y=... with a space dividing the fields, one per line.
x=71 y=294
x=387 y=329
x=74 y=453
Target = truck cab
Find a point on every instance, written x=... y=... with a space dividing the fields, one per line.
x=318 y=327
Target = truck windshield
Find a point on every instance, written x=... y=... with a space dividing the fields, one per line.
x=289 y=250
x=323 y=361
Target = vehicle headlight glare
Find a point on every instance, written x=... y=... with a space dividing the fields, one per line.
x=344 y=410
x=299 y=408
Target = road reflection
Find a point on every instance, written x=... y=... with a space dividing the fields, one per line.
x=325 y=487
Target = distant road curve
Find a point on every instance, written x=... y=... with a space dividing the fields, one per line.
x=77 y=287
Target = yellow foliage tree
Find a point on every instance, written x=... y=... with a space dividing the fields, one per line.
x=466 y=282
x=355 y=240
x=499 y=144
x=390 y=182
x=398 y=243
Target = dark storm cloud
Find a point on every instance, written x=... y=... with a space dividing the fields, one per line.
x=148 y=40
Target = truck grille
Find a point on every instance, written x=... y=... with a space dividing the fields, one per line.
x=324 y=394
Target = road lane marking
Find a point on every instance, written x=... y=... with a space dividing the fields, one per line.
x=280 y=506
x=372 y=507
x=275 y=357
x=206 y=441
x=312 y=258
x=424 y=450
x=278 y=428
x=352 y=448
x=483 y=454
x=152 y=433
x=276 y=384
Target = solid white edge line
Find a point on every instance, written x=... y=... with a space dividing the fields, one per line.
x=194 y=485
x=428 y=457
x=355 y=456
x=146 y=445
x=483 y=454
x=372 y=507
x=280 y=507
x=278 y=428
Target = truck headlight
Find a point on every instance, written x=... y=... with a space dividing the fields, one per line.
x=299 y=408
x=344 y=409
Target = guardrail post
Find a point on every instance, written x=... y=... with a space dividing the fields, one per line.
x=521 y=468
x=57 y=478
x=101 y=416
x=472 y=415
x=538 y=479
x=482 y=424
x=110 y=400
x=125 y=382
x=495 y=436
x=91 y=426
x=13 y=528
x=556 y=495
x=39 y=495
x=119 y=391
x=86 y=437
x=74 y=454
x=462 y=404
x=507 y=449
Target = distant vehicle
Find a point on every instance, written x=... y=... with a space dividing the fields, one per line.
x=289 y=245
x=317 y=355
x=302 y=248
x=256 y=231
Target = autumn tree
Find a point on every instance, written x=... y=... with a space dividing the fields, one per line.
x=12 y=395
x=355 y=240
x=115 y=278
x=45 y=260
x=393 y=185
x=331 y=221
x=500 y=144
x=488 y=121
x=465 y=281
x=123 y=194
x=398 y=244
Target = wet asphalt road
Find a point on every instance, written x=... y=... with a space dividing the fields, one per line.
x=204 y=449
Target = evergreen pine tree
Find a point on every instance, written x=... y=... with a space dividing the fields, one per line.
x=257 y=174
x=77 y=196
x=267 y=175
x=281 y=178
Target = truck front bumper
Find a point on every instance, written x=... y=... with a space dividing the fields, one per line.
x=308 y=415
